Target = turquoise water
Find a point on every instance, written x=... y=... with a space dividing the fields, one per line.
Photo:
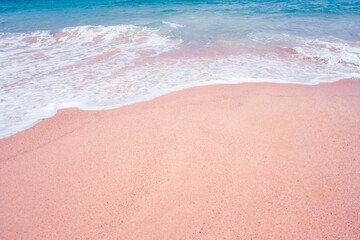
x=225 y=18
x=105 y=54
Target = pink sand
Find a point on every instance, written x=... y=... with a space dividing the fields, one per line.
x=247 y=161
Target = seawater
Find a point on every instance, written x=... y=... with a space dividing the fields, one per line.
x=102 y=54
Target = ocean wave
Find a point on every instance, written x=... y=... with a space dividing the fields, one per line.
x=103 y=67
x=75 y=64
x=173 y=25
x=330 y=51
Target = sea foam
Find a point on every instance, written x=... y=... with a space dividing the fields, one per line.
x=103 y=67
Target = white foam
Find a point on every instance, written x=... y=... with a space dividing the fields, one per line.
x=41 y=72
x=97 y=67
x=330 y=51
x=173 y=25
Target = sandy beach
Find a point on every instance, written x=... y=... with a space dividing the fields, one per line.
x=246 y=161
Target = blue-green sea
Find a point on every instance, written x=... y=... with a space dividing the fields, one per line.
x=102 y=54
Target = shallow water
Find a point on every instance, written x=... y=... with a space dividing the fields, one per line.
x=105 y=54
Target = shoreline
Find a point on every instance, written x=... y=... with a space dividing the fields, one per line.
x=249 y=160
x=150 y=97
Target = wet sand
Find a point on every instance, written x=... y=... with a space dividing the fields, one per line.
x=246 y=161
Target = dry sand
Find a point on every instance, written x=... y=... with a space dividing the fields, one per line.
x=247 y=161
